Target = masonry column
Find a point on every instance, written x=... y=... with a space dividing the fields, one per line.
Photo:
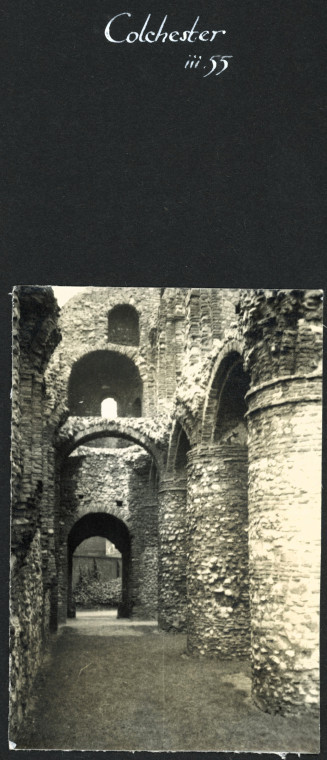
x=144 y=590
x=172 y=555
x=283 y=333
x=217 y=571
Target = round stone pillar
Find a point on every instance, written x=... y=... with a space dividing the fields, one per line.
x=284 y=425
x=217 y=570
x=172 y=555
x=282 y=332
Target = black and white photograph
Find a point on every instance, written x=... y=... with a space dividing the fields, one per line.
x=163 y=239
x=165 y=519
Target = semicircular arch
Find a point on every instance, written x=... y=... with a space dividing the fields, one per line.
x=65 y=358
x=99 y=524
x=101 y=374
x=77 y=431
x=230 y=355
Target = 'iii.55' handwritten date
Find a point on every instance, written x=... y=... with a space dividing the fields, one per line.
x=219 y=63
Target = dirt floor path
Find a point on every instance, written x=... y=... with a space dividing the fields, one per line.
x=120 y=685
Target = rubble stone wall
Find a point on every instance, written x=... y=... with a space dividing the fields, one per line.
x=84 y=326
x=28 y=623
x=210 y=313
x=33 y=573
x=170 y=345
x=172 y=554
x=217 y=568
x=115 y=482
x=226 y=547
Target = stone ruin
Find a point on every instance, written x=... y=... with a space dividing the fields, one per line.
x=208 y=480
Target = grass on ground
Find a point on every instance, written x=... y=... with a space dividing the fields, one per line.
x=145 y=693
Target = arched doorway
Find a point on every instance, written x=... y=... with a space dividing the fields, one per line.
x=109 y=527
x=121 y=483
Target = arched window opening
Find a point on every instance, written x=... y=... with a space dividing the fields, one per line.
x=99 y=377
x=109 y=408
x=123 y=326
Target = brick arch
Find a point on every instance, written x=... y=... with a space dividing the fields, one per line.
x=228 y=357
x=78 y=430
x=131 y=352
x=99 y=524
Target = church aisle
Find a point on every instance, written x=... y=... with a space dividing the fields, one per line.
x=142 y=692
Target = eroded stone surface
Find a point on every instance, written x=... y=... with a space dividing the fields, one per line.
x=220 y=507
